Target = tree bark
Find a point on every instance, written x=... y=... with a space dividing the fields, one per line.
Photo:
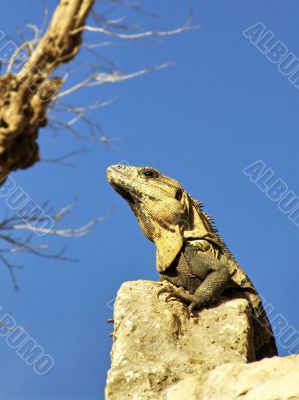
x=25 y=94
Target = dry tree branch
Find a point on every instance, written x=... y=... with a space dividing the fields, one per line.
x=28 y=90
x=134 y=36
x=28 y=86
x=15 y=223
x=133 y=6
x=25 y=95
x=113 y=77
x=31 y=222
x=70 y=232
x=61 y=159
x=10 y=267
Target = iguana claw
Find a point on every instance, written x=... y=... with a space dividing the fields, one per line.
x=169 y=290
x=194 y=305
x=178 y=293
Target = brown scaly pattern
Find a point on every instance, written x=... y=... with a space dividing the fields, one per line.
x=191 y=255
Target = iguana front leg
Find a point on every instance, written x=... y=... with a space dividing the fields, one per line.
x=211 y=288
x=212 y=272
x=176 y=292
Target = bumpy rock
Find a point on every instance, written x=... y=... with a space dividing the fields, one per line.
x=157 y=344
x=270 y=379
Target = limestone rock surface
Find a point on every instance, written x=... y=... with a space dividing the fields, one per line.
x=274 y=378
x=157 y=344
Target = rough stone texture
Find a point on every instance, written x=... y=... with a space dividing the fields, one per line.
x=162 y=353
x=188 y=389
x=270 y=379
x=157 y=344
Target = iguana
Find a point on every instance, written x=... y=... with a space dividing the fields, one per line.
x=190 y=254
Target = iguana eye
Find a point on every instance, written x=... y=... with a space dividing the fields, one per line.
x=150 y=173
x=179 y=194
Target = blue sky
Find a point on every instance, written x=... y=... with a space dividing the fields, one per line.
x=220 y=108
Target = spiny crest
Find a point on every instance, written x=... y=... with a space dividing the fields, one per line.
x=199 y=207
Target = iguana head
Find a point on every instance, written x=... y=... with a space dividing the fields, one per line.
x=164 y=210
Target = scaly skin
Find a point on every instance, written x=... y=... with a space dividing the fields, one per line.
x=191 y=256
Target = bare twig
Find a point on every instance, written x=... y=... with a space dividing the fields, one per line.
x=11 y=271
x=24 y=97
x=13 y=224
x=135 y=36
x=60 y=160
x=30 y=100
x=113 y=77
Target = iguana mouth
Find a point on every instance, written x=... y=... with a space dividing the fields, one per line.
x=124 y=193
x=114 y=176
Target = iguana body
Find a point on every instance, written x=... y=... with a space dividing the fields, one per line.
x=190 y=253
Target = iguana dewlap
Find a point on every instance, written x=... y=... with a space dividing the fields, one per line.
x=190 y=253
